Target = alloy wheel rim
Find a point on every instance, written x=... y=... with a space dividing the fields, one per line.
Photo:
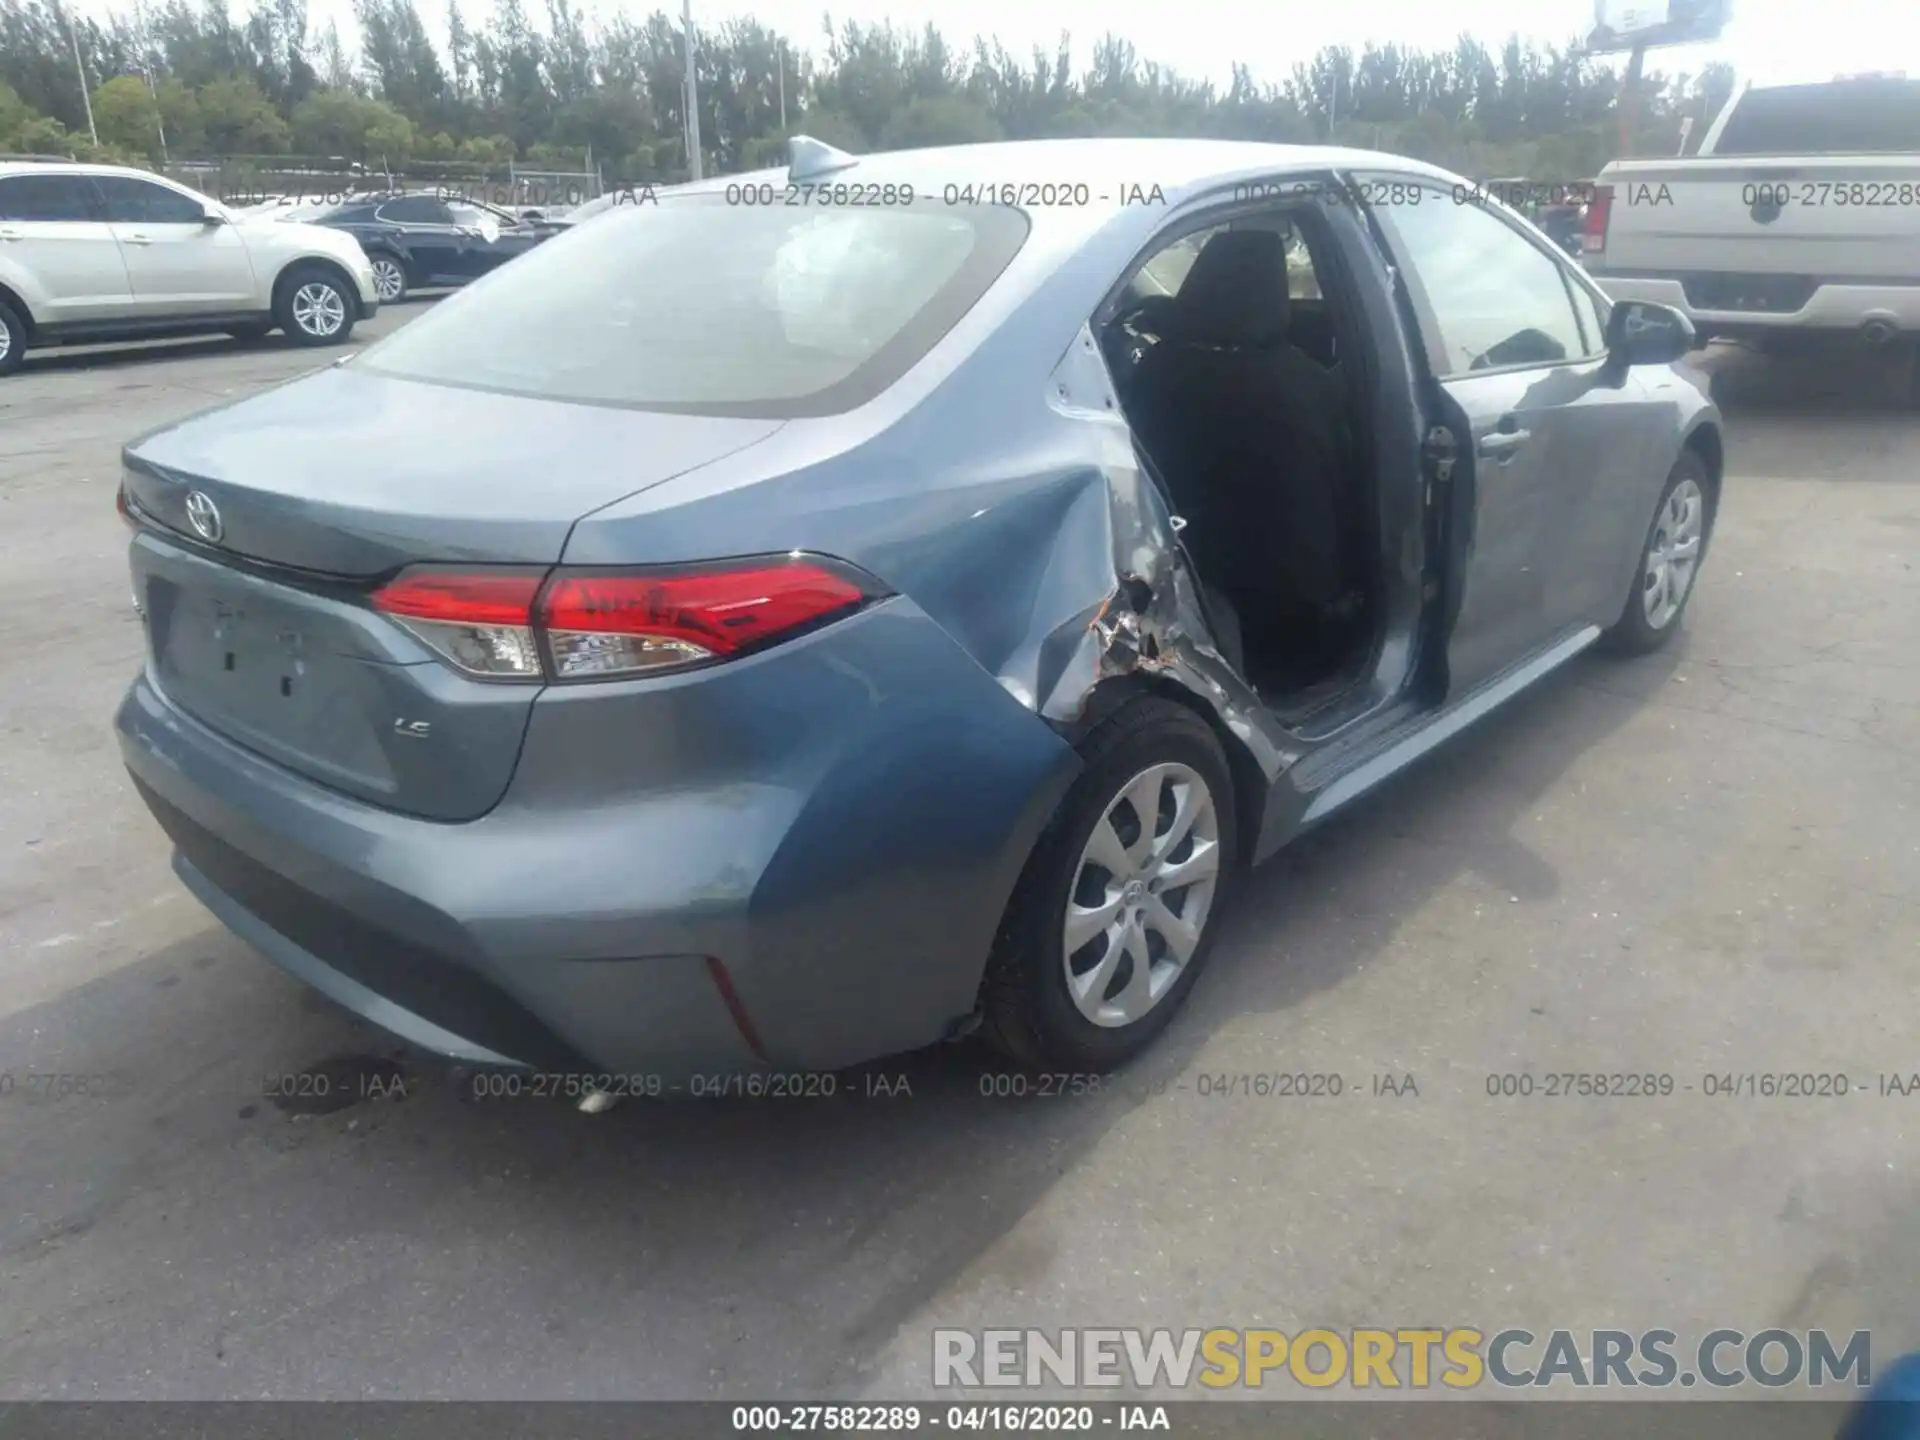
x=318 y=309
x=387 y=280
x=6 y=341
x=1673 y=554
x=1141 y=895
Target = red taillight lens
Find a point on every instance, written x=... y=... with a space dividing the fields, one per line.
x=464 y=596
x=607 y=623
x=124 y=506
x=481 y=621
x=1593 y=238
x=603 y=624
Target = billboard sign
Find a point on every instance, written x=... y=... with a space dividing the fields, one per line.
x=1629 y=24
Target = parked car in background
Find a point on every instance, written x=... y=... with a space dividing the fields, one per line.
x=426 y=241
x=1797 y=217
x=101 y=252
x=939 y=604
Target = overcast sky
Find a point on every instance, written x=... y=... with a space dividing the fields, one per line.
x=1767 y=40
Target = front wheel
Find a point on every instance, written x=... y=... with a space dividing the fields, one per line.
x=313 y=307
x=1670 y=559
x=1115 y=914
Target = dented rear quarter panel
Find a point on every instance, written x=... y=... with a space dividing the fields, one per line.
x=997 y=485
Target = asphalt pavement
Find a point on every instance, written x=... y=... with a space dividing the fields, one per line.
x=1703 y=862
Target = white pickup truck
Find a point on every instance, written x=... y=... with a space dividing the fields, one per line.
x=1800 y=214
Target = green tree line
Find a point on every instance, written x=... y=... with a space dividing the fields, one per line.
x=189 y=79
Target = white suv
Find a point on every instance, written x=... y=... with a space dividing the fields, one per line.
x=100 y=252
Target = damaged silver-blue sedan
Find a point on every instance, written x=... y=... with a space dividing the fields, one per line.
x=804 y=616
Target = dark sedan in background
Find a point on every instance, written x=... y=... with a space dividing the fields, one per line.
x=426 y=241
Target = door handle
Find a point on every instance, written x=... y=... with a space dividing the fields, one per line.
x=138 y=239
x=1504 y=442
x=8 y=232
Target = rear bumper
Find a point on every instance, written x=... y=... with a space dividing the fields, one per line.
x=654 y=894
x=1832 y=305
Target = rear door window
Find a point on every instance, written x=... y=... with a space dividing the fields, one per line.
x=416 y=210
x=47 y=198
x=701 y=307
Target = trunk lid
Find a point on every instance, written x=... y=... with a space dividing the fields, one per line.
x=263 y=633
x=1830 y=217
x=350 y=474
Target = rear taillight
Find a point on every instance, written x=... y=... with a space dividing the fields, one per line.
x=597 y=624
x=619 y=623
x=1593 y=237
x=481 y=621
x=124 y=505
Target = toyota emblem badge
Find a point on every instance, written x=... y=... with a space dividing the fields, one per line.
x=204 y=516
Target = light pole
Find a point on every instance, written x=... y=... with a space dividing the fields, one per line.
x=780 y=53
x=159 y=122
x=693 y=96
x=79 y=66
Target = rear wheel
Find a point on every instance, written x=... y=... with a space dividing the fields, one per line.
x=1115 y=914
x=313 y=307
x=13 y=340
x=1670 y=559
x=389 y=279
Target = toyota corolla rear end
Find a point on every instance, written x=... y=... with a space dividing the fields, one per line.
x=527 y=795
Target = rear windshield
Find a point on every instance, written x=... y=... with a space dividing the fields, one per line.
x=702 y=307
x=1874 y=117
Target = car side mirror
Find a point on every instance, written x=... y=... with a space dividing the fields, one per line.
x=211 y=218
x=1640 y=332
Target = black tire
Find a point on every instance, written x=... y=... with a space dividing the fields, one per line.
x=301 y=284
x=1027 y=1011
x=381 y=261
x=13 y=339
x=1634 y=633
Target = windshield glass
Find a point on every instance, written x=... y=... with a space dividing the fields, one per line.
x=699 y=306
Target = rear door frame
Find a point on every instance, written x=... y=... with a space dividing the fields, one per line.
x=1391 y=415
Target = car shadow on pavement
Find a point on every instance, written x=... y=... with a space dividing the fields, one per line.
x=116 y=355
x=1831 y=377
x=151 y=352
x=196 y=1231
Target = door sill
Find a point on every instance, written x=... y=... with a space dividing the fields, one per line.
x=1354 y=771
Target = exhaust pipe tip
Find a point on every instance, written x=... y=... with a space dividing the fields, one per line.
x=1879 y=332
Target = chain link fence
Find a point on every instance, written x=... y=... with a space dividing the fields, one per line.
x=244 y=180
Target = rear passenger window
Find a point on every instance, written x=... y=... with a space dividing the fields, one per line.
x=416 y=210
x=1858 y=117
x=46 y=197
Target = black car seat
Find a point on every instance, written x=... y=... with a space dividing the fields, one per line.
x=1250 y=433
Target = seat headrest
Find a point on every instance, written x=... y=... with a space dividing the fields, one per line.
x=1235 y=294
